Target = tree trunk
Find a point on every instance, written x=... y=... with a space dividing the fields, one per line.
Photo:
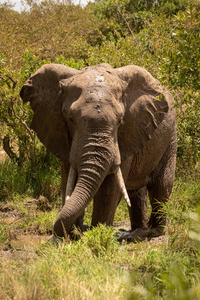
x=7 y=148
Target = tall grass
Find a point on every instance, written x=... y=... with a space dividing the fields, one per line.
x=89 y=270
x=98 y=267
x=43 y=179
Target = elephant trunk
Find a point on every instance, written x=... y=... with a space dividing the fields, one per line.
x=94 y=162
x=90 y=177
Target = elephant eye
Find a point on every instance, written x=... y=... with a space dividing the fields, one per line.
x=120 y=121
x=71 y=120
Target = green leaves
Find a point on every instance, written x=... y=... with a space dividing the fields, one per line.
x=161 y=36
x=183 y=68
x=101 y=240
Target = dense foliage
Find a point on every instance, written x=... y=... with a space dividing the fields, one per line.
x=162 y=36
x=159 y=35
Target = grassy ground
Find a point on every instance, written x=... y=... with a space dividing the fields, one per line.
x=97 y=266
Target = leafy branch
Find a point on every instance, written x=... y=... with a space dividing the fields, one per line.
x=13 y=113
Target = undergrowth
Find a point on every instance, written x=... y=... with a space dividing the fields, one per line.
x=97 y=266
x=42 y=179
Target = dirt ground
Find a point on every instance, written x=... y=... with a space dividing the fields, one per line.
x=23 y=245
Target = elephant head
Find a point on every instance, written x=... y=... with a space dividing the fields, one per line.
x=93 y=119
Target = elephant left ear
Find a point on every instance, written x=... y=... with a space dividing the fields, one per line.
x=43 y=91
x=146 y=105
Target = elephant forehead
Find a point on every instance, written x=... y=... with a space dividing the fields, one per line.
x=95 y=92
x=94 y=76
x=98 y=77
x=96 y=113
x=93 y=108
x=96 y=82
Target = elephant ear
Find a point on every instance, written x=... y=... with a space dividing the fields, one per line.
x=42 y=89
x=146 y=104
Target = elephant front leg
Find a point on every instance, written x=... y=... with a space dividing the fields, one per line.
x=79 y=223
x=138 y=209
x=106 y=201
x=160 y=189
x=141 y=228
x=108 y=196
x=138 y=217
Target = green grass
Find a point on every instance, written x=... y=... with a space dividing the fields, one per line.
x=4 y=233
x=97 y=266
x=26 y=181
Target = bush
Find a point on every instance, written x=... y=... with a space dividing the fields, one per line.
x=131 y=16
x=42 y=179
x=183 y=69
x=166 y=45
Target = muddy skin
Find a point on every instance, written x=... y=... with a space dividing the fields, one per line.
x=114 y=132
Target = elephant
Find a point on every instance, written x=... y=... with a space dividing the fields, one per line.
x=114 y=131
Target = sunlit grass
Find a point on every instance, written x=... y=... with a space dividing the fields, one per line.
x=97 y=266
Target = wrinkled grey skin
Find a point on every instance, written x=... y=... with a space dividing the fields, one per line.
x=100 y=120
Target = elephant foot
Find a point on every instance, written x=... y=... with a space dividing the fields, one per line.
x=139 y=234
x=84 y=228
x=74 y=235
x=77 y=231
x=54 y=240
x=57 y=240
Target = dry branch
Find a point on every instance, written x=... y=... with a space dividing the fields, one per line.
x=7 y=148
x=28 y=130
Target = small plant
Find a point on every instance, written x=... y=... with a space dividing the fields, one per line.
x=100 y=240
x=4 y=233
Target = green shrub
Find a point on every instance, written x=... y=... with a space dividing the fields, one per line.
x=42 y=179
x=100 y=240
x=4 y=233
x=183 y=69
x=166 y=45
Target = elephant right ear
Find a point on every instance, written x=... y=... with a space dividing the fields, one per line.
x=146 y=105
x=42 y=90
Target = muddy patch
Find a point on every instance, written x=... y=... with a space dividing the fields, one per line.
x=22 y=243
x=22 y=247
x=28 y=242
x=19 y=241
x=125 y=225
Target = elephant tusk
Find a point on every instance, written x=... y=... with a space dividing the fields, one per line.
x=120 y=181
x=70 y=183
